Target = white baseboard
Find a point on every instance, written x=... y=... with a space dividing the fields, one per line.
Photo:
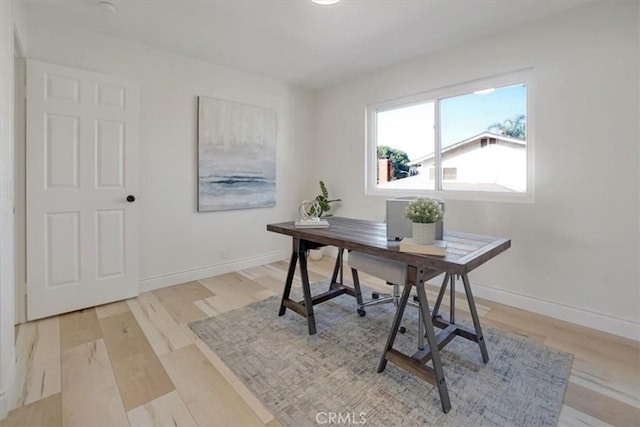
x=162 y=281
x=590 y=319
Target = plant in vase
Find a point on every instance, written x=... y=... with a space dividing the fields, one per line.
x=424 y=213
x=324 y=203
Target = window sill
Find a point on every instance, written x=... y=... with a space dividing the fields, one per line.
x=476 y=196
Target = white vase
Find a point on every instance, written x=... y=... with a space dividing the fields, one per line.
x=315 y=254
x=424 y=234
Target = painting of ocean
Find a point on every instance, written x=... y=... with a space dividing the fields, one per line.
x=236 y=155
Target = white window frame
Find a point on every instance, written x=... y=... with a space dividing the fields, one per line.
x=508 y=79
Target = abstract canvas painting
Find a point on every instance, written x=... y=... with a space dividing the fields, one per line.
x=236 y=155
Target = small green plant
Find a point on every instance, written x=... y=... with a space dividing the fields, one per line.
x=424 y=211
x=323 y=201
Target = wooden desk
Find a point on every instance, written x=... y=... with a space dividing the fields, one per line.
x=465 y=252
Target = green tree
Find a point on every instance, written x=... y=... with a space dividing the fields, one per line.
x=399 y=161
x=514 y=127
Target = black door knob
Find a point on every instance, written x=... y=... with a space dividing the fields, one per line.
x=131 y=198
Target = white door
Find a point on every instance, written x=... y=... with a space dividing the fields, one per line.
x=82 y=162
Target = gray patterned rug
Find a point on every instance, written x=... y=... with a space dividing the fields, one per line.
x=304 y=379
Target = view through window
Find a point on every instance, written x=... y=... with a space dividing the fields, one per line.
x=480 y=139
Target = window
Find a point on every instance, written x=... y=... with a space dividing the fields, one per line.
x=470 y=141
x=449 y=174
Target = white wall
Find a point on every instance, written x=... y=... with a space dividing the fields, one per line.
x=6 y=206
x=177 y=243
x=20 y=183
x=574 y=251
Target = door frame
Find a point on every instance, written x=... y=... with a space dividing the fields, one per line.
x=9 y=39
x=20 y=182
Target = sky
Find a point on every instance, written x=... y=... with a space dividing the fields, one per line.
x=411 y=128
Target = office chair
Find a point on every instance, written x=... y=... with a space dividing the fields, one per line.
x=394 y=273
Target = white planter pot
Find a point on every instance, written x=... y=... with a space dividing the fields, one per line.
x=315 y=254
x=424 y=234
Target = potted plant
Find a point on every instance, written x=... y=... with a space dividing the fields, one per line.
x=323 y=201
x=424 y=213
x=324 y=204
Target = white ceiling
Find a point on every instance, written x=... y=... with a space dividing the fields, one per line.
x=295 y=40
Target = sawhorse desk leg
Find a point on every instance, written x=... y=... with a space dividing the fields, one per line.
x=413 y=363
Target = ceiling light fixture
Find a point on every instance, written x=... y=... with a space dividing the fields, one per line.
x=326 y=2
x=108 y=6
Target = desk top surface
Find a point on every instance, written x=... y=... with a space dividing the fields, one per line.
x=465 y=251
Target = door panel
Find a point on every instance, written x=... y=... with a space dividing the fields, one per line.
x=82 y=160
x=110 y=95
x=62 y=88
x=110 y=243
x=62 y=248
x=110 y=154
x=61 y=150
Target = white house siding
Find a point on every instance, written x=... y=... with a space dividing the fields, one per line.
x=494 y=164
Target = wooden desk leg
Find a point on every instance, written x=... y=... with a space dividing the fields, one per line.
x=341 y=255
x=433 y=343
x=474 y=316
x=443 y=289
x=337 y=270
x=289 y=281
x=395 y=326
x=306 y=290
x=356 y=287
x=452 y=304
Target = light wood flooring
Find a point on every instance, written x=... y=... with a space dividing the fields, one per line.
x=137 y=363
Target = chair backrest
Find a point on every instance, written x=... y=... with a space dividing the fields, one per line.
x=386 y=269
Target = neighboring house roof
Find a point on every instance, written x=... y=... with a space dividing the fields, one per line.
x=468 y=141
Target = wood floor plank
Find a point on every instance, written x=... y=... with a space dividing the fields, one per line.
x=206 y=306
x=205 y=392
x=614 y=347
x=274 y=284
x=161 y=330
x=166 y=411
x=37 y=361
x=138 y=371
x=231 y=294
x=46 y=412
x=111 y=309
x=259 y=296
x=256 y=406
x=79 y=327
x=602 y=371
x=274 y=423
x=514 y=330
x=179 y=300
x=234 y=288
x=90 y=395
x=254 y=273
x=315 y=275
x=570 y=417
x=613 y=389
x=281 y=275
x=601 y=407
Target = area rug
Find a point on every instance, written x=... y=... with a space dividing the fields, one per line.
x=330 y=378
